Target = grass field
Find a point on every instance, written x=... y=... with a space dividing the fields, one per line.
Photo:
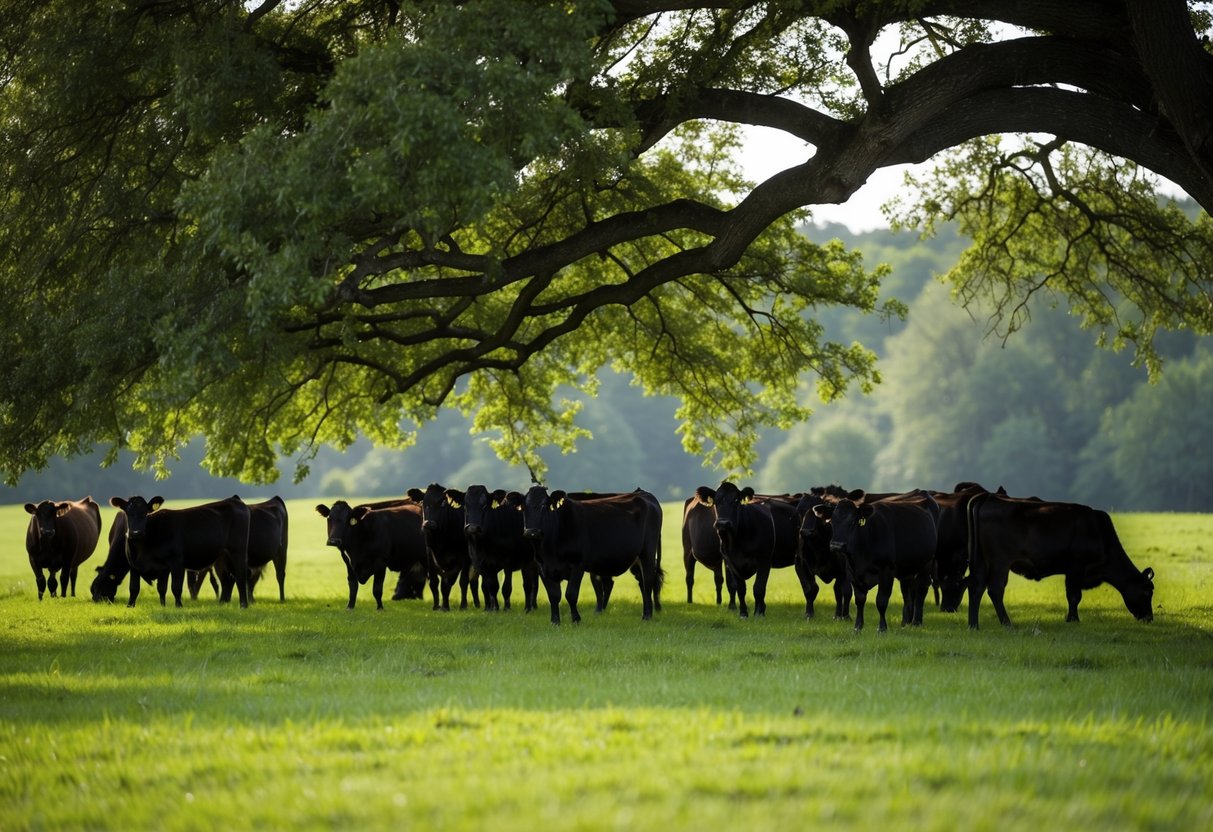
x=305 y=715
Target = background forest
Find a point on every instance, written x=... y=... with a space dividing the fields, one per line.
x=1043 y=412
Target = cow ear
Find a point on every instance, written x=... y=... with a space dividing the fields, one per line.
x=1148 y=573
x=118 y=502
x=155 y=502
x=62 y=509
x=322 y=510
x=865 y=511
x=357 y=513
x=705 y=495
x=857 y=495
x=747 y=494
x=823 y=511
x=416 y=495
x=454 y=498
x=499 y=496
x=31 y=508
x=556 y=499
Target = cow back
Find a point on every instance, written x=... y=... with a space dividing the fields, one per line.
x=200 y=535
x=268 y=532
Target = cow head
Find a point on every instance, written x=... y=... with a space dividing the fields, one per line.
x=439 y=507
x=45 y=514
x=727 y=501
x=478 y=501
x=814 y=538
x=847 y=520
x=541 y=513
x=1139 y=595
x=137 y=510
x=341 y=521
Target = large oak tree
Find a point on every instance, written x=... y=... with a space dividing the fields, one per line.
x=280 y=224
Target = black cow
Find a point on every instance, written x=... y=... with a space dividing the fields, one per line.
x=116 y=566
x=267 y=542
x=1037 y=539
x=892 y=539
x=493 y=524
x=60 y=537
x=161 y=544
x=372 y=541
x=603 y=536
x=817 y=557
x=701 y=543
x=952 y=547
x=442 y=522
x=757 y=534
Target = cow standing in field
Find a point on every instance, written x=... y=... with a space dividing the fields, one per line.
x=267 y=542
x=493 y=525
x=374 y=540
x=952 y=547
x=60 y=537
x=442 y=522
x=701 y=544
x=604 y=536
x=891 y=539
x=161 y=544
x=757 y=534
x=816 y=556
x=1037 y=539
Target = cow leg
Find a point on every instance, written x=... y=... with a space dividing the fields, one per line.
x=553 y=587
x=996 y=586
x=463 y=589
x=907 y=602
x=530 y=587
x=861 y=598
x=647 y=576
x=808 y=585
x=1073 y=596
x=162 y=588
x=52 y=583
x=572 y=591
x=507 y=588
x=178 y=585
x=71 y=576
x=377 y=586
x=432 y=577
x=884 y=591
x=718 y=579
x=448 y=583
x=977 y=588
x=280 y=573
x=226 y=584
x=352 y=580
x=760 y=591
x=39 y=579
x=133 y=588
x=739 y=586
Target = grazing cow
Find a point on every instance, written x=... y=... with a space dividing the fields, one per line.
x=60 y=537
x=757 y=534
x=374 y=540
x=161 y=544
x=603 y=536
x=442 y=522
x=116 y=567
x=493 y=524
x=1037 y=539
x=892 y=539
x=815 y=554
x=701 y=543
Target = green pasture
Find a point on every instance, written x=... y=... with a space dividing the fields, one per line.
x=302 y=714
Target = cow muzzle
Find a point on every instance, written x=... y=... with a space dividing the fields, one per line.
x=472 y=530
x=334 y=541
x=532 y=534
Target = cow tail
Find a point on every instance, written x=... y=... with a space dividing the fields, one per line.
x=972 y=508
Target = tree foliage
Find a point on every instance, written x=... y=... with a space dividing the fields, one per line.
x=283 y=225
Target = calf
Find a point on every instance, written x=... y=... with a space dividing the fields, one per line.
x=60 y=537
x=161 y=544
x=1037 y=539
x=493 y=524
x=756 y=534
x=893 y=539
x=372 y=541
x=604 y=536
x=442 y=522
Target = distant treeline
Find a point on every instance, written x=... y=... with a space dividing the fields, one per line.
x=1045 y=413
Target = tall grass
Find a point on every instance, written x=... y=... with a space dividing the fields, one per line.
x=305 y=715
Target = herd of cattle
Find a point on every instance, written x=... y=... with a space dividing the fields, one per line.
x=968 y=538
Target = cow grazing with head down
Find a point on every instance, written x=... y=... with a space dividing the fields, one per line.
x=374 y=540
x=701 y=544
x=883 y=541
x=604 y=536
x=757 y=533
x=442 y=522
x=1036 y=539
x=61 y=536
x=493 y=525
x=161 y=544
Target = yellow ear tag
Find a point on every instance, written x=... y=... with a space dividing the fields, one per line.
x=353 y=521
x=863 y=521
x=496 y=504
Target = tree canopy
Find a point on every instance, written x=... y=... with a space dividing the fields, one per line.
x=285 y=224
